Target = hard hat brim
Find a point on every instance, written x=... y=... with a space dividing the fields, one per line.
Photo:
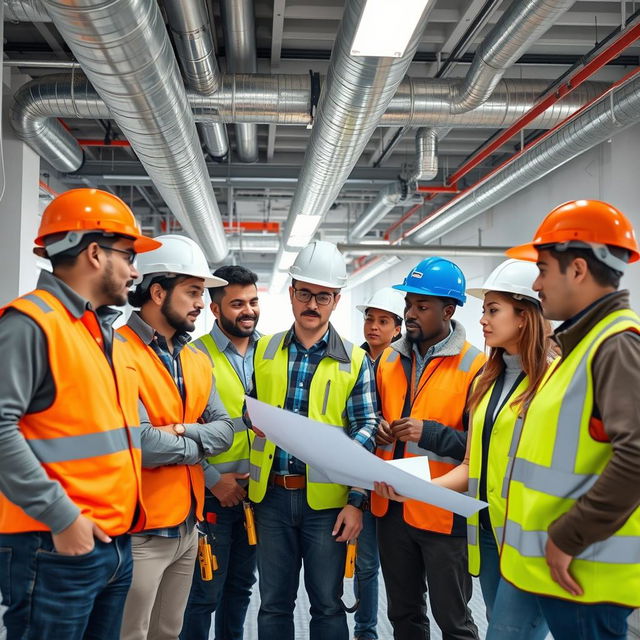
x=402 y=287
x=142 y=244
x=527 y=252
x=318 y=281
x=363 y=309
x=214 y=281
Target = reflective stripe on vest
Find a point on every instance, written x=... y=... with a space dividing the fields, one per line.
x=329 y=391
x=505 y=435
x=442 y=398
x=232 y=391
x=88 y=439
x=557 y=461
x=170 y=490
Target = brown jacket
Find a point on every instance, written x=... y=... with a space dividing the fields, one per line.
x=600 y=512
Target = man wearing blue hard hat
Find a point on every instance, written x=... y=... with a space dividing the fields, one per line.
x=423 y=380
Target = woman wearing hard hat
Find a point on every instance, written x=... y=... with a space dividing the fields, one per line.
x=517 y=335
x=383 y=314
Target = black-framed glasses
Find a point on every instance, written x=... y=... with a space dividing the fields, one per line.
x=323 y=298
x=130 y=253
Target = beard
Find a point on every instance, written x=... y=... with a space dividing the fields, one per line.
x=181 y=325
x=234 y=329
x=416 y=336
x=112 y=290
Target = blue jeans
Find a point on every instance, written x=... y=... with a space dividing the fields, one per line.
x=290 y=532
x=365 y=583
x=512 y=614
x=229 y=592
x=576 y=621
x=52 y=596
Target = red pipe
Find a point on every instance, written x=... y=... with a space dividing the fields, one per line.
x=623 y=40
x=436 y=213
x=453 y=188
x=87 y=142
x=406 y=216
x=45 y=187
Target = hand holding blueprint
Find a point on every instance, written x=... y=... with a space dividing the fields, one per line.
x=344 y=461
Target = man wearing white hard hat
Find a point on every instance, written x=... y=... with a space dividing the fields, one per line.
x=300 y=516
x=183 y=422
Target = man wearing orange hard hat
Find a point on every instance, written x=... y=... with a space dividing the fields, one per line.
x=572 y=533
x=69 y=429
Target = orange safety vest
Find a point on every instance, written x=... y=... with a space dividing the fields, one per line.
x=441 y=395
x=168 y=491
x=88 y=440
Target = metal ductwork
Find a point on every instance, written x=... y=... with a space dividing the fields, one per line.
x=124 y=49
x=613 y=112
x=189 y=24
x=240 y=51
x=422 y=252
x=519 y=27
x=355 y=95
x=396 y=194
x=426 y=155
x=25 y=11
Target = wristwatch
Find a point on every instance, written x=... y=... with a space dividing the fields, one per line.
x=358 y=500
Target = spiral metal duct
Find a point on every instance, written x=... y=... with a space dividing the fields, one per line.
x=124 y=49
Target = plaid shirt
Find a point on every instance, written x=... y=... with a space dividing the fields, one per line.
x=361 y=405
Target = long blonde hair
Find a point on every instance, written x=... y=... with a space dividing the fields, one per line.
x=534 y=347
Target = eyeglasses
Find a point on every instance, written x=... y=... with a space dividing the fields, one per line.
x=130 y=253
x=323 y=298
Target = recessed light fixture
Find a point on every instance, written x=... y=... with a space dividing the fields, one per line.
x=386 y=26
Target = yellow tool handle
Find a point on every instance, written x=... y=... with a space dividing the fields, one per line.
x=250 y=523
x=205 y=559
x=350 y=561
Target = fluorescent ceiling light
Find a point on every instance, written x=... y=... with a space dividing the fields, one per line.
x=286 y=260
x=304 y=228
x=386 y=26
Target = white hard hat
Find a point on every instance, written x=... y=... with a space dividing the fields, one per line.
x=512 y=276
x=387 y=299
x=178 y=255
x=320 y=263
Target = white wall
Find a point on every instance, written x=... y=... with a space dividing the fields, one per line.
x=609 y=172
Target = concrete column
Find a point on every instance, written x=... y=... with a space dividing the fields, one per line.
x=19 y=207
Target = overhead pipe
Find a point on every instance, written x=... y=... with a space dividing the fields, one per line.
x=240 y=51
x=189 y=24
x=124 y=49
x=426 y=155
x=25 y=11
x=614 y=111
x=364 y=249
x=519 y=27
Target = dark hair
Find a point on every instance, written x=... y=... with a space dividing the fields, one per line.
x=233 y=274
x=69 y=257
x=603 y=274
x=396 y=319
x=139 y=296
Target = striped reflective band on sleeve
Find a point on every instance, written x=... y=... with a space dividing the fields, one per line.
x=91 y=445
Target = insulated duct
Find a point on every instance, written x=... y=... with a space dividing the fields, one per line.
x=426 y=155
x=240 y=51
x=613 y=112
x=189 y=24
x=124 y=49
x=518 y=28
x=277 y=99
x=355 y=95
x=25 y=11
x=395 y=194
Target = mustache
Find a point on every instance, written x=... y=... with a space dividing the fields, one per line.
x=242 y=318
x=194 y=313
x=312 y=314
x=129 y=284
x=411 y=324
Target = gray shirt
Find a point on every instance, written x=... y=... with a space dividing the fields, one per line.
x=512 y=369
x=214 y=435
x=423 y=361
x=26 y=386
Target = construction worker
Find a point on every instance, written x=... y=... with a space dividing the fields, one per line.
x=178 y=395
x=423 y=382
x=383 y=314
x=230 y=346
x=69 y=428
x=517 y=335
x=300 y=515
x=572 y=532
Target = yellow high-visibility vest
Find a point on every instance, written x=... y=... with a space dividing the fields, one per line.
x=557 y=461
x=329 y=391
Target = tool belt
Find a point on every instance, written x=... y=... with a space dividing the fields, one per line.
x=290 y=481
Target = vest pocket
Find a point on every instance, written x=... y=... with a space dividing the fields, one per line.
x=325 y=401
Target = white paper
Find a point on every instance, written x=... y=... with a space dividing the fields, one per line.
x=417 y=466
x=341 y=460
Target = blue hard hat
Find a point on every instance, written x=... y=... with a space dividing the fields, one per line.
x=436 y=277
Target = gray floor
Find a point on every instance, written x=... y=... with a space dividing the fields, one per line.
x=384 y=627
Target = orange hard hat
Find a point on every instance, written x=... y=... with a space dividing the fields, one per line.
x=92 y=210
x=586 y=222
